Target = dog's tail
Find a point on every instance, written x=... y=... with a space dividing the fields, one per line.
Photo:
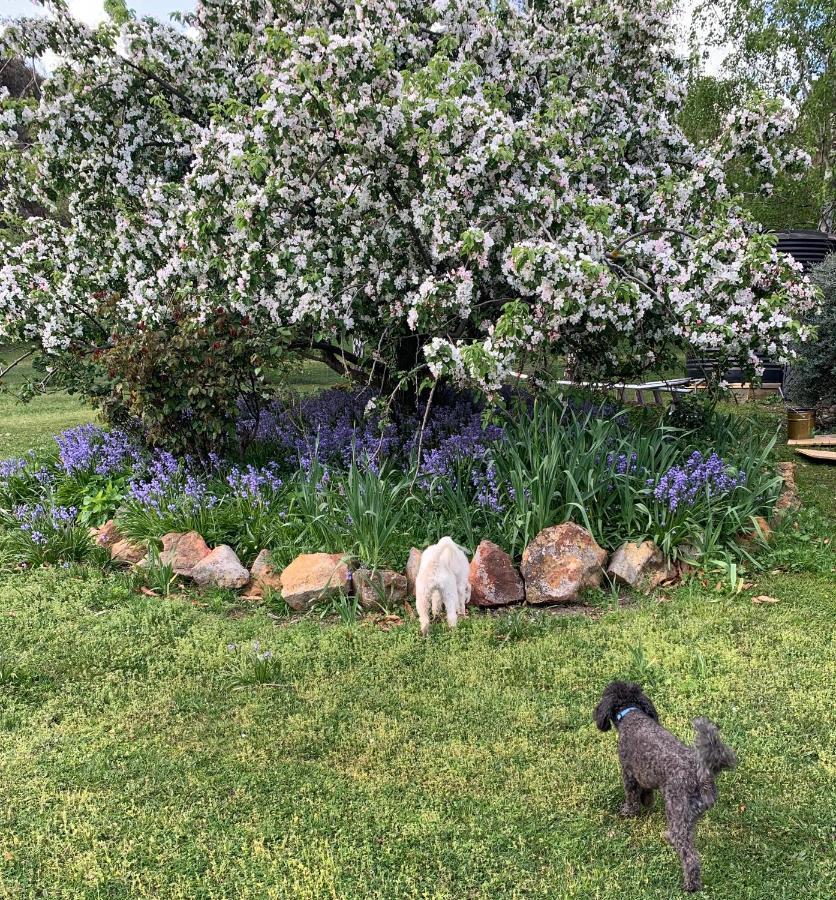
x=710 y=748
x=447 y=545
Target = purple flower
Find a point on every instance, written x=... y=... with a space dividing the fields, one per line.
x=150 y=487
x=334 y=428
x=622 y=464
x=699 y=478
x=252 y=483
x=9 y=467
x=487 y=489
x=90 y=448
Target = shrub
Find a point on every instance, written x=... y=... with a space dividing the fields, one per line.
x=813 y=378
x=182 y=384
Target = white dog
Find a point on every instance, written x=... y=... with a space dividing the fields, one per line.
x=442 y=578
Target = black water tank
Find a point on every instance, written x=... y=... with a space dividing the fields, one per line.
x=807 y=247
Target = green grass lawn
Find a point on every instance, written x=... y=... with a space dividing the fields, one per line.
x=24 y=426
x=135 y=764
x=139 y=759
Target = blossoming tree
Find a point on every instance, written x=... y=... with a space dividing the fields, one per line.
x=457 y=188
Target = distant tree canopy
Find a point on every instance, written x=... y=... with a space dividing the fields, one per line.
x=783 y=47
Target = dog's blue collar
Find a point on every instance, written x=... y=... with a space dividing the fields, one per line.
x=620 y=715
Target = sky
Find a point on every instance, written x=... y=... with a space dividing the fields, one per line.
x=91 y=11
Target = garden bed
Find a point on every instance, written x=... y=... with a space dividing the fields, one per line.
x=326 y=474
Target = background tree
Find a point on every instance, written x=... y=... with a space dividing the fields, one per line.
x=787 y=48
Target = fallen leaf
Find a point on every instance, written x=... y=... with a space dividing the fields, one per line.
x=764 y=598
x=148 y=592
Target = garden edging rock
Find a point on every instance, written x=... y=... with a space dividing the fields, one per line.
x=263 y=576
x=413 y=563
x=221 y=568
x=312 y=577
x=128 y=553
x=380 y=589
x=493 y=579
x=641 y=566
x=183 y=551
x=560 y=562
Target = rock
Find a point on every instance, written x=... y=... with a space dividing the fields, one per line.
x=183 y=551
x=493 y=579
x=561 y=562
x=221 y=568
x=789 y=501
x=127 y=552
x=413 y=563
x=312 y=576
x=642 y=566
x=760 y=531
x=263 y=575
x=380 y=589
x=107 y=535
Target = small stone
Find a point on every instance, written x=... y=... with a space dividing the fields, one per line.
x=761 y=531
x=413 y=563
x=561 y=562
x=107 y=535
x=380 y=589
x=221 y=568
x=493 y=579
x=263 y=575
x=312 y=576
x=642 y=566
x=183 y=551
x=127 y=552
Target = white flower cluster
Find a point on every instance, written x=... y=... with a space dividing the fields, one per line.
x=478 y=179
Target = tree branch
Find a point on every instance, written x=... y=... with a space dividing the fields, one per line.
x=23 y=356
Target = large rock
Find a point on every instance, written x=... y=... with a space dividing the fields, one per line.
x=789 y=501
x=381 y=589
x=263 y=576
x=183 y=551
x=413 y=563
x=107 y=535
x=313 y=576
x=561 y=562
x=221 y=568
x=642 y=566
x=493 y=579
x=127 y=552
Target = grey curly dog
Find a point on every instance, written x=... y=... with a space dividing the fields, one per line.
x=652 y=758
